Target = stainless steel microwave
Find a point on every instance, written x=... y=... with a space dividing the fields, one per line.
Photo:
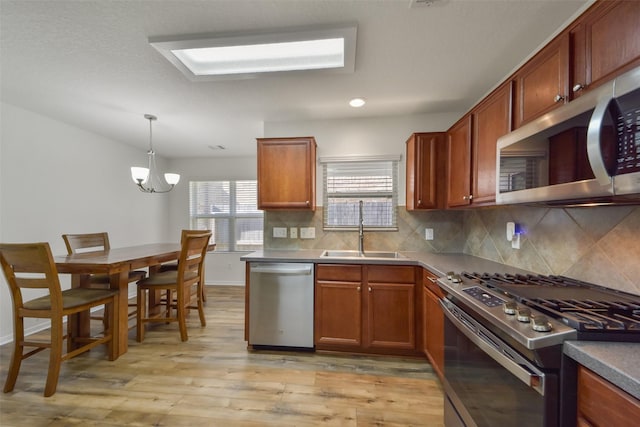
x=587 y=151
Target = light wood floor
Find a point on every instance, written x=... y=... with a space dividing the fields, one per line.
x=213 y=380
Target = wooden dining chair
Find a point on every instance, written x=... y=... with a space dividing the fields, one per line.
x=181 y=281
x=173 y=266
x=31 y=266
x=88 y=242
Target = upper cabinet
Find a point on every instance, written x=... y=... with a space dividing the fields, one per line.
x=471 y=150
x=287 y=173
x=542 y=84
x=598 y=46
x=604 y=42
x=459 y=163
x=491 y=120
x=425 y=171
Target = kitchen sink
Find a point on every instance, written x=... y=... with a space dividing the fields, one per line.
x=367 y=254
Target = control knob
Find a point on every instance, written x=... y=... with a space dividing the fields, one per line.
x=540 y=323
x=523 y=315
x=510 y=307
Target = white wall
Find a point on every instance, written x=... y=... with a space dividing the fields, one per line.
x=370 y=136
x=56 y=178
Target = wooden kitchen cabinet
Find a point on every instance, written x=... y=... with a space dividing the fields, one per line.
x=287 y=173
x=338 y=306
x=432 y=322
x=425 y=166
x=365 y=308
x=491 y=120
x=542 y=84
x=459 y=163
x=601 y=403
x=604 y=42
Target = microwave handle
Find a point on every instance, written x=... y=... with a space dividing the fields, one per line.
x=594 y=151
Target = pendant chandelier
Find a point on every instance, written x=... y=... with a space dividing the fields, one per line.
x=148 y=179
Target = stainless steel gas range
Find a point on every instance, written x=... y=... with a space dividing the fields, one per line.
x=503 y=343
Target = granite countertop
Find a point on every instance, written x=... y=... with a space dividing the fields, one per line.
x=617 y=362
x=437 y=263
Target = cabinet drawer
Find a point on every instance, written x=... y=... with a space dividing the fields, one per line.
x=429 y=282
x=339 y=272
x=391 y=274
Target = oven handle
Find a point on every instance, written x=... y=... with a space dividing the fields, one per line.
x=484 y=339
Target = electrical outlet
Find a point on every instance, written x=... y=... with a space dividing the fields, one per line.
x=428 y=233
x=293 y=232
x=307 y=232
x=280 y=232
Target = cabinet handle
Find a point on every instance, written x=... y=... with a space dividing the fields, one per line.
x=308 y=203
x=432 y=279
x=419 y=202
x=369 y=288
x=469 y=197
x=358 y=288
x=578 y=87
x=558 y=98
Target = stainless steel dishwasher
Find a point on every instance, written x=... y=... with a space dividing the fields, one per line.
x=281 y=304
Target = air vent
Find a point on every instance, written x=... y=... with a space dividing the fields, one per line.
x=217 y=147
x=422 y=3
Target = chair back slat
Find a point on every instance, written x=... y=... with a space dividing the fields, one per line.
x=77 y=243
x=194 y=249
x=21 y=262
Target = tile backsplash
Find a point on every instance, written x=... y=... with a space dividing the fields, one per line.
x=595 y=244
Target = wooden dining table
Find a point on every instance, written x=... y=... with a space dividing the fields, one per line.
x=116 y=262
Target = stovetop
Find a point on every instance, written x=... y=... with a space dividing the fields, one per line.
x=539 y=311
x=596 y=312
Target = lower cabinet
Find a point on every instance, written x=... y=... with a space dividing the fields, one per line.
x=366 y=308
x=432 y=322
x=601 y=403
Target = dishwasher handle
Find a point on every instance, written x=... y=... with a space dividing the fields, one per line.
x=283 y=268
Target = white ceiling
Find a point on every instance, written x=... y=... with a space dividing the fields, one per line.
x=89 y=63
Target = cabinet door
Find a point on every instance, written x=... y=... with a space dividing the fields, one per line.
x=542 y=83
x=425 y=169
x=435 y=332
x=433 y=322
x=391 y=316
x=338 y=314
x=286 y=173
x=605 y=43
x=459 y=163
x=601 y=403
x=491 y=120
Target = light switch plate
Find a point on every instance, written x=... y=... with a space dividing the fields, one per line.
x=428 y=233
x=307 y=232
x=280 y=232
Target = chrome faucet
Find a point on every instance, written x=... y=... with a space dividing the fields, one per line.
x=361 y=230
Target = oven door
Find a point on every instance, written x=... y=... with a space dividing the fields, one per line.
x=487 y=383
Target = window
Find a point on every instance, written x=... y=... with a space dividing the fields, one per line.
x=229 y=209
x=346 y=182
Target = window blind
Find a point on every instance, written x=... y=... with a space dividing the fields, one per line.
x=229 y=210
x=348 y=182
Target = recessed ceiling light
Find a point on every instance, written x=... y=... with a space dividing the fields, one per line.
x=357 y=102
x=246 y=55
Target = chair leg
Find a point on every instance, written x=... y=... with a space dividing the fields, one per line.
x=199 y=300
x=140 y=314
x=16 y=358
x=55 y=357
x=182 y=319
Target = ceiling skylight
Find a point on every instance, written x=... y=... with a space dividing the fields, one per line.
x=241 y=56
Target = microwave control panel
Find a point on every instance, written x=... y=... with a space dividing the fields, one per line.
x=628 y=129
